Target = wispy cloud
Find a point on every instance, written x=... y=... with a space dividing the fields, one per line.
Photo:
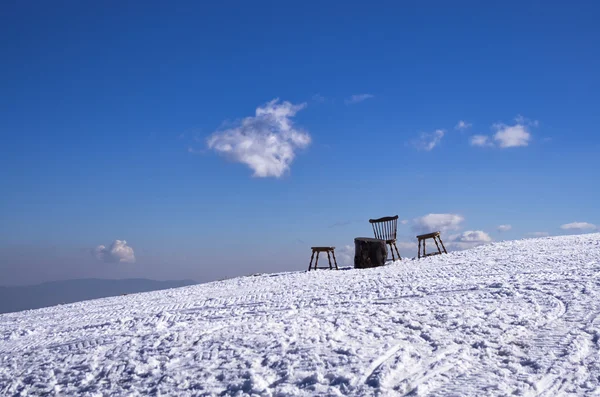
x=266 y=142
x=427 y=141
x=437 y=222
x=504 y=228
x=462 y=125
x=341 y=224
x=481 y=140
x=579 y=226
x=118 y=251
x=358 y=98
x=318 y=98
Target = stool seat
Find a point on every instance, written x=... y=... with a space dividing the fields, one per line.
x=321 y=249
x=428 y=235
x=318 y=250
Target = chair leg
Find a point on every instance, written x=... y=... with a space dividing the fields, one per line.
x=329 y=260
x=419 y=251
x=392 y=251
x=424 y=252
x=437 y=245
x=395 y=246
x=311 y=259
x=334 y=261
x=317 y=260
x=440 y=238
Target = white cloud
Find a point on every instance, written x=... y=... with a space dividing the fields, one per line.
x=437 y=222
x=427 y=141
x=404 y=221
x=118 y=251
x=481 y=140
x=579 y=226
x=469 y=239
x=462 y=125
x=507 y=136
x=539 y=234
x=358 y=98
x=504 y=228
x=266 y=142
x=511 y=135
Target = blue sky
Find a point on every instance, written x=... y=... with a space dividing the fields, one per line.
x=158 y=125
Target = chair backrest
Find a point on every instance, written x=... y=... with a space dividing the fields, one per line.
x=385 y=228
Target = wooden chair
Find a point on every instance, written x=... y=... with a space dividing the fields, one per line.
x=385 y=229
x=319 y=250
x=436 y=237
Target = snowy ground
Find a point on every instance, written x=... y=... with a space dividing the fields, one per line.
x=519 y=317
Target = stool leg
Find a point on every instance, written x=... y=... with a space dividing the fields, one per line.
x=334 y=261
x=440 y=238
x=311 y=259
x=437 y=245
x=317 y=261
x=419 y=251
x=329 y=260
x=392 y=251
x=399 y=257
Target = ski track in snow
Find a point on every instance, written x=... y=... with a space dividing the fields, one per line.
x=511 y=318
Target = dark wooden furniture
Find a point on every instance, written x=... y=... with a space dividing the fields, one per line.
x=369 y=252
x=436 y=237
x=385 y=229
x=318 y=250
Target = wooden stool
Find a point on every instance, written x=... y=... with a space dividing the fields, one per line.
x=434 y=236
x=319 y=250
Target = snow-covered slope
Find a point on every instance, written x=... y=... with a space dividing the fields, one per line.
x=519 y=317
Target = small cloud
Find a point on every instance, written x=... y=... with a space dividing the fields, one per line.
x=404 y=221
x=579 y=226
x=427 y=141
x=469 y=239
x=507 y=136
x=538 y=234
x=266 y=142
x=504 y=228
x=437 y=222
x=358 y=98
x=462 y=125
x=511 y=135
x=481 y=140
x=118 y=252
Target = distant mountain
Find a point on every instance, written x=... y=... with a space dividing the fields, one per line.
x=13 y=299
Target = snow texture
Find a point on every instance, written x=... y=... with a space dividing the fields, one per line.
x=519 y=317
